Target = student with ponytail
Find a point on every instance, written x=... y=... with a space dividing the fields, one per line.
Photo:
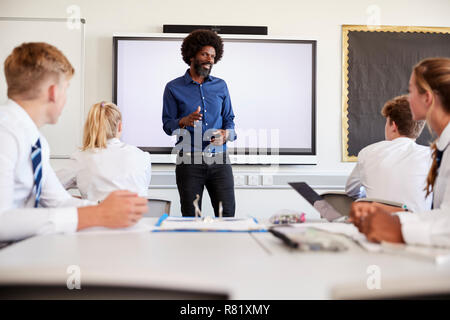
x=429 y=98
x=104 y=163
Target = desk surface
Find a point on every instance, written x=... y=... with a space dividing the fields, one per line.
x=245 y=266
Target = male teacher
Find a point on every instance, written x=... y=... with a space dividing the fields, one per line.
x=197 y=107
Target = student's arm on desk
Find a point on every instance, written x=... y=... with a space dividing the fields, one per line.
x=378 y=224
x=121 y=209
x=381 y=223
x=430 y=228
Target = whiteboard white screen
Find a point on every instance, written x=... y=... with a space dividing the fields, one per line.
x=64 y=137
x=270 y=84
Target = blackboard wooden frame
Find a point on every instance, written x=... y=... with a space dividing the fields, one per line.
x=404 y=32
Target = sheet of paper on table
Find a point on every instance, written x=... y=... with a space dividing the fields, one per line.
x=209 y=224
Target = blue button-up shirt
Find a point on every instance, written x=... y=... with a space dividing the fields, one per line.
x=182 y=96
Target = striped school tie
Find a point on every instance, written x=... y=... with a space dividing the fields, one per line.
x=36 y=160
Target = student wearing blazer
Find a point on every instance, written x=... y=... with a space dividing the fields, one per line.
x=104 y=163
x=429 y=98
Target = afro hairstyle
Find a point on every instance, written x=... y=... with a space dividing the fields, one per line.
x=196 y=40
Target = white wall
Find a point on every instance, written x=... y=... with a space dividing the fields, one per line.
x=319 y=19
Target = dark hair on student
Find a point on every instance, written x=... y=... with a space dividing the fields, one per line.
x=196 y=40
x=398 y=111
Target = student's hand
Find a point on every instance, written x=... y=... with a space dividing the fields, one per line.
x=359 y=211
x=220 y=137
x=383 y=226
x=189 y=121
x=121 y=209
x=376 y=222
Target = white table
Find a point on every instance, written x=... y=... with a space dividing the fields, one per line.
x=242 y=265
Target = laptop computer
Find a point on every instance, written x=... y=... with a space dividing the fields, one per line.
x=325 y=209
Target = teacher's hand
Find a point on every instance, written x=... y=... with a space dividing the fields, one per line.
x=220 y=137
x=189 y=121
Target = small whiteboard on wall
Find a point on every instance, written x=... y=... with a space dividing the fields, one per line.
x=65 y=136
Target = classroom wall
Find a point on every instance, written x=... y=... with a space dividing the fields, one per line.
x=320 y=20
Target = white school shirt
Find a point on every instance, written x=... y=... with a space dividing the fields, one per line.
x=432 y=227
x=18 y=217
x=393 y=170
x=98 y=172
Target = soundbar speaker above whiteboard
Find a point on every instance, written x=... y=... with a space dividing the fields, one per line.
x=68 y=36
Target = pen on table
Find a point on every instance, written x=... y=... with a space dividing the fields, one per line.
x=285 y=238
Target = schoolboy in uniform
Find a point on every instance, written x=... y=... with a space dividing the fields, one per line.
x=32 y=200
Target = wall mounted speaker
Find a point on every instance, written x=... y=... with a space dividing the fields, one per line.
x=180 y=28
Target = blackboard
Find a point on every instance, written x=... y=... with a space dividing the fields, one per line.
x=377 y=64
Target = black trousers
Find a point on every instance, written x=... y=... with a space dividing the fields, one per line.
x=216 y=177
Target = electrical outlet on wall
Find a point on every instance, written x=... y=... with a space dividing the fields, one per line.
x=253 y=180
x=239 y=180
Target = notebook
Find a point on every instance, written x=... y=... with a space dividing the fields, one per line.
x=325 y=209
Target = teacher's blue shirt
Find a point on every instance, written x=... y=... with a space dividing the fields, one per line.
x=182 y=96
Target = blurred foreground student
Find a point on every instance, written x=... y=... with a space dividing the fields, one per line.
x=394 y=169
x=32 y=200
x=105 y=164
x=429 y=98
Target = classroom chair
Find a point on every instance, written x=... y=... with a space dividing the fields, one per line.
x=339 y=201
x=157 y=207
